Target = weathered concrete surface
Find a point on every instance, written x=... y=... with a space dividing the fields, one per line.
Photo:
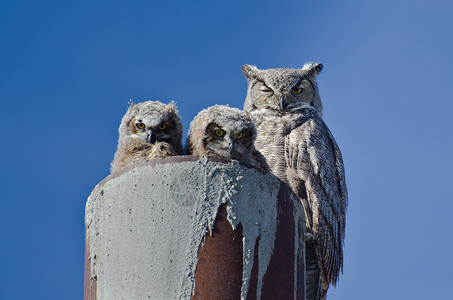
x=147 y=225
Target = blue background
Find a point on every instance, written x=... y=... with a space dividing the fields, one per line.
x=68 y=70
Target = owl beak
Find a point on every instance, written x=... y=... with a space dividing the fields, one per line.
x=231 y=149
x=283 y=104
x=228 y=149
x=234 y=153
x=151 y=138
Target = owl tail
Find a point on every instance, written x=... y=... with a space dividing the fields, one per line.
x=325 y=287
x=313 y=286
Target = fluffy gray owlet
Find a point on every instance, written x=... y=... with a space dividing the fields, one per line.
x=148 y=130
x=286 y=108
x=226 y=132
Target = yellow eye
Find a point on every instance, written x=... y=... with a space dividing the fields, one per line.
x=297 y=91
x=219 y=132
x=162 y=127
x=140 y=125
x=240 y=135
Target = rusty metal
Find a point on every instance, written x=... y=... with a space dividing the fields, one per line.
x=219 y=268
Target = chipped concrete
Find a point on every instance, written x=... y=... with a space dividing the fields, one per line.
x=145 y=226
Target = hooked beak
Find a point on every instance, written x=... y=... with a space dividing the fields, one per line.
x=151 y=138
x=283 y=104
x=227 y=150
x=236 y=151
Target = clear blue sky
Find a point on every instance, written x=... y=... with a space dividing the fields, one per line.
x=68 y=70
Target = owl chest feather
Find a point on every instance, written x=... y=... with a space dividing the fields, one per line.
x=300 y=150
x=271 y=140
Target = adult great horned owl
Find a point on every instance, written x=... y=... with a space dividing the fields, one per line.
x=286 y=108
x=148 y=130
x=226 y=132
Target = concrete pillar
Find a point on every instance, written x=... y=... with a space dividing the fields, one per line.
x=189 y=228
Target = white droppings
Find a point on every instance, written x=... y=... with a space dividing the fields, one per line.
x=145 y=226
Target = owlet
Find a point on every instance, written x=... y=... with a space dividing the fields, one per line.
x=148 y=130
x=226 y=132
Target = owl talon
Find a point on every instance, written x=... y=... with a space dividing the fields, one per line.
x=309 y=237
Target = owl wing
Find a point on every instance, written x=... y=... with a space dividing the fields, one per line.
x=316 y=174
x=257 y=160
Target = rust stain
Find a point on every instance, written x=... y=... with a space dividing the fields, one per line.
x=219 y=268
x=220 y=257
x=279 y=281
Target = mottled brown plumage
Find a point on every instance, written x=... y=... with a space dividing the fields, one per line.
x=286 y=108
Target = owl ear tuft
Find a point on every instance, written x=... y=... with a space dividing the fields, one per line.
x=249 y=71
x=312 y=68
x=172 y=104
x=172 y=107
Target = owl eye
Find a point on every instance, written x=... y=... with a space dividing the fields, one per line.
x=219 y=132
x=162 y=127
x=265 y=89
x=297 y=91
x=240 y=135
x=140 y=125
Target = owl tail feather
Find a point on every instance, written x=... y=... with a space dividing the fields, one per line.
x=313 y=286
x=325 y=287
